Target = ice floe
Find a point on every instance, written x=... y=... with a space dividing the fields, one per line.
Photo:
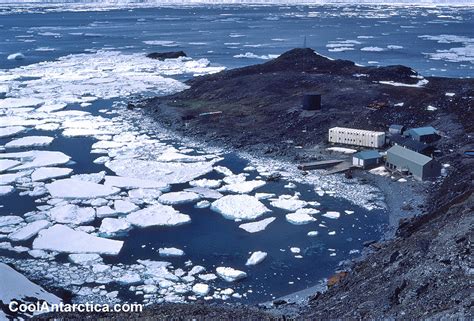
x=170 y=251
x=332 y=214
x=11 y=131
x=243 y=187
x=30 y=141
x=5 y=190
x=206 y=183
x=113 y=226
x=299 y=218
x=239 y=207
x=178 y=198
x=160 y=215
x=72 y=188
x=256 y=258
x=46 y=173
x=72 y=214
x=288 y=203
x=29 y=230
x=37 y=158
x=229 y=274
x=201 y=289
x=258 y=226
x=64 y=239
x=124 y=207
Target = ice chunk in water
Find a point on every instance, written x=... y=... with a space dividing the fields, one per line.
x=299 y=218
x=332 y=214
x=28 y=231
x=61 y=238
x=73 y=188
x=30 y=141
x=158 y=214
x=288 y=203
x=258 y=226
x=72 y=214
x=201 y=289
x=11 y=131
x=5 y=190
x=239 y=207
x=37 y=158
x=229 y=274
x=46 y=173
x=243 y=187
x=170 y=251
x=113 y=226
x=256 y=258
x=178 y=198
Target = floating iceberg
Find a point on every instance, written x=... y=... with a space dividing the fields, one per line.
x=332 y=214
x=161 y=215
x=72 y=214
x=28 y=231
x=299 y=218
x=73 y=188
x=61 y=238
x=5 y=190
x=206 y=183
x=229 y=274
x=243 y=187
x=46 y=173
x=179 y=198
x=256 y=258
x=30 y=141
x=11 y=131
x=239 y=207
x=113 y=226
x=258 y=226
x=37 y=158
x=288 y=203
x=170 y=251
x=201 y=289
x=124 y=207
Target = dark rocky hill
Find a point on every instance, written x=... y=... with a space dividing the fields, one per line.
x=261 y=105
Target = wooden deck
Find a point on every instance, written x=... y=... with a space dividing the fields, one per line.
x=320 y=164
x=340 y=168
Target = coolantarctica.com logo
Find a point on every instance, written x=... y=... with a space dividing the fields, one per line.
x=45 y=307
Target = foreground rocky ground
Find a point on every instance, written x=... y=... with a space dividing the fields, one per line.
x=424 y=271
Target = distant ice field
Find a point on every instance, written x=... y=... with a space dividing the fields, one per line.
x=433 y=40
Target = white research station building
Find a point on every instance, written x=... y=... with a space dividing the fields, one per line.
x=356 y=137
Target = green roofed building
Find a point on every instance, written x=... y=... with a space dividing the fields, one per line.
x=408 y=162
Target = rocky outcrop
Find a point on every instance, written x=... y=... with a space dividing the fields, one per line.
x=166 y=55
